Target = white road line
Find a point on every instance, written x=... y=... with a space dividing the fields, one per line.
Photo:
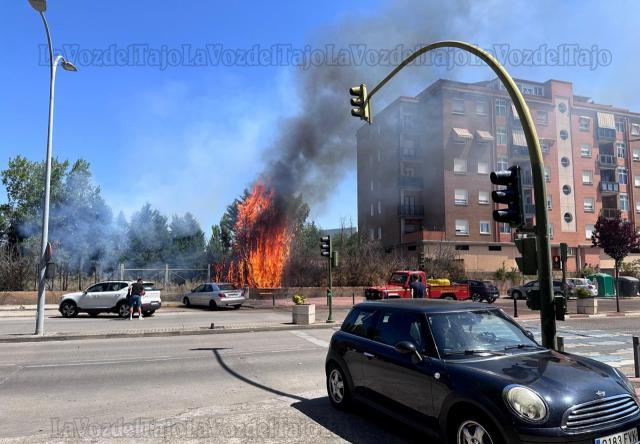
x=10 y=375
x=308 y=337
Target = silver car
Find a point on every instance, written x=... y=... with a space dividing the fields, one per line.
x=584 y=283
x=520 y=291
x=214 y=295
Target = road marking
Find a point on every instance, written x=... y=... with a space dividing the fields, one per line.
x=308 y=337
x=10 y=375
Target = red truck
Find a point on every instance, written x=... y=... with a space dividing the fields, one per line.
x=398 y=287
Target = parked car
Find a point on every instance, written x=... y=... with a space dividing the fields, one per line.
x=108 y=297
x=482 y=290
x=520 y=291
x=468 y=373
x=584 y=283
x=214 y=295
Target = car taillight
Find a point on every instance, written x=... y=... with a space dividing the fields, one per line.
x=222 y=295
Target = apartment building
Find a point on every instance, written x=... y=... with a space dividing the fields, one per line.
x=423 y=169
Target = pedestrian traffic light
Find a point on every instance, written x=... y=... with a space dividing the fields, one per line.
x=325 y=246
x=361 y=102
x=528 y=263
x=556 y=263
x=510 y=195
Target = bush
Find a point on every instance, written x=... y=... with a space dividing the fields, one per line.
x=583 y=293
x=298 y=299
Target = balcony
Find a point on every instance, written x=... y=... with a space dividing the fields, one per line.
x=606 y=134
x=529 y=209
x=610 y=213
x=411 y=210
x=607 y=161
x=527 y=181
x=519 y=152
x=609 y=187
x=411 y=182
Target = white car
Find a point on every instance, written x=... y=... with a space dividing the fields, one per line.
x=214 y=295
x=584 y=283
x=108 y=297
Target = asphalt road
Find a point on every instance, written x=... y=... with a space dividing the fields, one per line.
x=244 y=387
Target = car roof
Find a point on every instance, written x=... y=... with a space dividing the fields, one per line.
x=427 y=305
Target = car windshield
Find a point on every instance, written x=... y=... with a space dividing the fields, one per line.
x=398 y=278
x=462 y=335
x=580 y=281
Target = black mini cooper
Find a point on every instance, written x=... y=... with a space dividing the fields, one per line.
x=467 y=373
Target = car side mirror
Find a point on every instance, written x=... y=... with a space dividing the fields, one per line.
x=408 y=348
x=529 y=335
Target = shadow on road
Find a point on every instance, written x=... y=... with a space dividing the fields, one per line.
x=364 y=427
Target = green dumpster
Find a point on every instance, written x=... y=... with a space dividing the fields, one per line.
x=605 y=284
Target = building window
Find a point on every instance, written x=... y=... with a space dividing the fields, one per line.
x=485 y=227
x=566 y=189
x=547 y=174
x=372 y=209
x=568 y=217
x=622 y=176
x=587 y=177
x=635 y=129
x=551 y=231
x=585 y=123
x=636 y=154
x=620 y=124
x=502 y=164
x=565 y=162
x=457 y=106
x=483 y=197
x=501 y=107
x=624 y=202
x=460 y=197
x=585 y=150
x=544 y=146
x=621 y=149
x=501 y=136
x=542 y=117
x=379 y=207
x=562 y=107
x=462 y=227
x=588 y=231
x=372 y=234
x=495 y=248
x=588 y=205
x=549 y=206
x=462 y=247
x=505 y=228
x=564 y=134
x=637 y=207
x=636 y=181
x=483 y=167
x=407 y=121
x=481 y=108
x=460 y=166
x=371 y=185
x=408 y=171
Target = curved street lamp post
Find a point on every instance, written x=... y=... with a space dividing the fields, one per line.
x=41 y=6
x=547 y=314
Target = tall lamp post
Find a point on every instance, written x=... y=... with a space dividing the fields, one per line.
x=41 y=6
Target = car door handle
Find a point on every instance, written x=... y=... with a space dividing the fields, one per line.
x=369 y=355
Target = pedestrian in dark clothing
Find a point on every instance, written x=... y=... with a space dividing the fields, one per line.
x=136 y=291
x=417 y=287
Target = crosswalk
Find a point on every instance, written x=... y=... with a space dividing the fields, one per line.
x=614 y=349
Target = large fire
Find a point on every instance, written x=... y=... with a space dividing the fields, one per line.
x=262 y=240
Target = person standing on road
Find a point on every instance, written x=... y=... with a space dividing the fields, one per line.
x=417 y=287
x=137 y=291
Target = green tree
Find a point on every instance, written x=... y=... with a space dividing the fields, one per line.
x=187 y=242
x=149 y=239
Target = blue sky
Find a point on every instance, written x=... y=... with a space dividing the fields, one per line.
x=191 y=138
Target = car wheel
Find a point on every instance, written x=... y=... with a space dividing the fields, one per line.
x=449 y=298
x=186 y=302
x=476 y=431
x=94 y=314
x=123 y=310
x=69 y=309
x=475 y=297
x=491 y=300
x=237 y=306
x=517 y=294
x=338 y=388
x=213 y=305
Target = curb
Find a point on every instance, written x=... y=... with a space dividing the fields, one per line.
x=157 y=334
x=631 y=314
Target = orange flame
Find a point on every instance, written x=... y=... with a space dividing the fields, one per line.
x=262 y=240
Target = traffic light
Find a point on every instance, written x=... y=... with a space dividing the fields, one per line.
x=557 y=265
x=325 y=246
x=528 y=263
x=361 y=103
x=511 y=196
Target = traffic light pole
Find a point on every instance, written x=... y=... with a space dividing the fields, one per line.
x=330 y=317
x=547 y=315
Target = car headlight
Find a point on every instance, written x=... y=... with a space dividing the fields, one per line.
x=625 y=381
x=526 y=403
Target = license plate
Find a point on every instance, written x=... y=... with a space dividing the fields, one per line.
x=628 y=437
